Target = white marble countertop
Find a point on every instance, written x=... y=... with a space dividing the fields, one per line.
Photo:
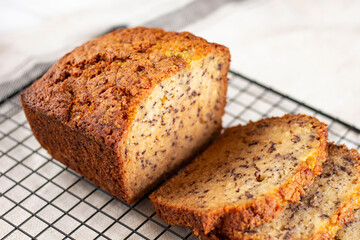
x=309 y=50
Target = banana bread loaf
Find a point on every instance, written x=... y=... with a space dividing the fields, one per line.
x=327 y=205
x=128 y=108
x=246 y=177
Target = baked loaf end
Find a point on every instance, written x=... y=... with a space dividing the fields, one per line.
x=127 y=109
x=246 y=177
x=327 y=205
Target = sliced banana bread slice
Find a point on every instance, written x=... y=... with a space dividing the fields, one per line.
x=327 y=205
x=352 y=230
x=247 y=176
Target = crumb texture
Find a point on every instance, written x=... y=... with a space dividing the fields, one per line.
x=326 y=206
x=129 y=108
x=352 y=230
x=257 y=168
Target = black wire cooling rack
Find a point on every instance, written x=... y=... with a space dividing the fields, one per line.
x=42 y=199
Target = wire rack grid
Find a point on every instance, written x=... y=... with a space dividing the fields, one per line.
x=41 y=198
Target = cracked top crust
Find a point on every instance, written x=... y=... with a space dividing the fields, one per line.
x=247 y=176
x=97 y=87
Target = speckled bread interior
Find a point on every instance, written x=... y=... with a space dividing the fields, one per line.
x=246 y=177
x=129 y=108
x=327 y=205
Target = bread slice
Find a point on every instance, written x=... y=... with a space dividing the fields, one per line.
x=127 y=109
x=352 y=230
x=247 y=176
x=327 y=205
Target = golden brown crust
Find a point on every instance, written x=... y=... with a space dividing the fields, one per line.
x=96 y=87
x=82 y=108
x=94 y=160
x=256 y=211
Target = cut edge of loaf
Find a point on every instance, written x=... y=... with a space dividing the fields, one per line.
x=345 y=213
x=342 y=216
x=196 y=116
x=257 y=211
